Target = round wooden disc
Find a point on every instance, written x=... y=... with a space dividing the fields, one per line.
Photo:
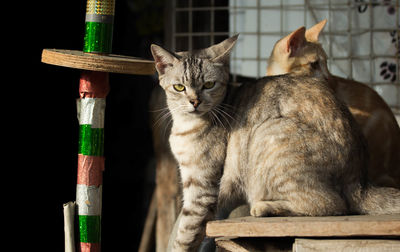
x=96 y=62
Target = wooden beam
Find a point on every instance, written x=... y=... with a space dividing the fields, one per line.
x=311 y=245
x=148 y=238
x=229 y=245
x=168 y=200
x=98 y=62
x=355 y=225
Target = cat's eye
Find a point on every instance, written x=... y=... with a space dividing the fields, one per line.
x=179 y=87
x=209 y=85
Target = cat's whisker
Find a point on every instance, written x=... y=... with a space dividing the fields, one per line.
x=162 y=118
x=227 y=105
x=217 y=117
x=212 y=116
x=229 y=108
x=165 y=114
x=222 y=108
x=167 y=127
x=226 y=116
x=158 y=110
x=218 y=113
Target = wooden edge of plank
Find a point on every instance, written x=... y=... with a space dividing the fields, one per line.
x=229 y=245
x=148 y=235
x=102 y=63
x=387 y=225
x=301 y=245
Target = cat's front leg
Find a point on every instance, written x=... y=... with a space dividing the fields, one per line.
x=200 y=196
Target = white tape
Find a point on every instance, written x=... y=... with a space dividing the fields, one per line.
x=88 y=199
x=91 y=111
x=69 y=212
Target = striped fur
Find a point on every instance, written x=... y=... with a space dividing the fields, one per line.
x=285 y=144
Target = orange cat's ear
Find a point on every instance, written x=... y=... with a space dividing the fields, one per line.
x=312 y=34
x=293 y=42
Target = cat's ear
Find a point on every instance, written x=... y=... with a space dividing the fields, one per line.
x=220 y=52
x=162 y=58
x=293 y=42
x=312 y=34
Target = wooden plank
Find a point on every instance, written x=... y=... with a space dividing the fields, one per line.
x=254 y=244
x=311 y=245
x=147 y=241
x=168 y=201
x=229 y=246
x=96 y=62
x=355 y=225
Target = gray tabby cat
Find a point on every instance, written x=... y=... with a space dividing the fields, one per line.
x=284 y=144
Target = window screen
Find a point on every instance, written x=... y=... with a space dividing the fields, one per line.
x=361 y=37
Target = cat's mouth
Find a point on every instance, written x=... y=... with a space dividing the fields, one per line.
x=200 y=110
x=197 y=111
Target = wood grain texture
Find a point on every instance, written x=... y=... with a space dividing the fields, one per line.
x=95 y=62
x=311 y=245
x=233 y=244
x=168 y=200
x=229 y=245
x=356 y=225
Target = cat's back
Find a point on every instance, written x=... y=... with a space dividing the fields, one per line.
x=305 y=107
x=304 y=99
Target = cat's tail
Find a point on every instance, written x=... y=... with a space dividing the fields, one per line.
x=374 y=200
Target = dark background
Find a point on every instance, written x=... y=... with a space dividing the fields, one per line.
x=44 y=141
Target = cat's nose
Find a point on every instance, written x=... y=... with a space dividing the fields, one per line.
x=195 y=102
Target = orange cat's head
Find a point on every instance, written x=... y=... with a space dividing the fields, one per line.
x=299 y=52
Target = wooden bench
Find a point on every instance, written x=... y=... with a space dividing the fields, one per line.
x=333 y=233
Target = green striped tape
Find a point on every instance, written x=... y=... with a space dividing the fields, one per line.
x=91 y=140
x=89 y=228
x=98 y=37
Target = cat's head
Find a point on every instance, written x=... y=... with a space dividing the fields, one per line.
x=196 y=82
x=299 y=52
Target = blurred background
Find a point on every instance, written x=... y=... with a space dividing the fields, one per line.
x=361 y=39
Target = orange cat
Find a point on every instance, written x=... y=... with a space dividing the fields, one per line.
x=300 y=52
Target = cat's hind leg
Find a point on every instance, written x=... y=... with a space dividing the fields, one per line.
x=312 y=202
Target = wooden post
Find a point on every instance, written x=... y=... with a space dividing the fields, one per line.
x=147 y=240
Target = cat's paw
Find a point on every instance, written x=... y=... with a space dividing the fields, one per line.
x=259 y=209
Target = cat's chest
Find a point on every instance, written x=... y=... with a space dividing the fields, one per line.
x=197 y=143
x=187 y=138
